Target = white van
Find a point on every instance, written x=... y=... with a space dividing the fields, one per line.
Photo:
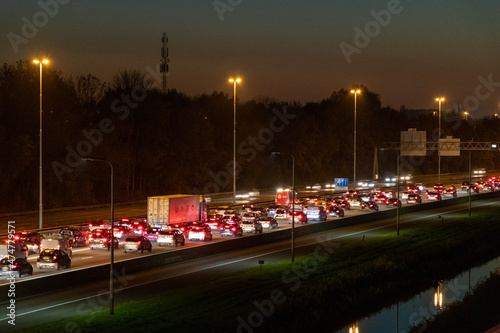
x=14 y=250
x=57 y=243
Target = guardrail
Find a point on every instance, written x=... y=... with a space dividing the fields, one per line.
x=75 y=276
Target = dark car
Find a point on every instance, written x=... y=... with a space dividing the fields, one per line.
x=137 y=243
x=439 y=187
x=434 y=195
x=449 y=192
x=139 y=227
x=101 y=239
x=344 y=204
x=369 y=205
x=231 y=229
x=465 y=187
x=393 y=202
x=75 y=235
x=16 y=267
x=53 y=259
x=268 y=222
x=214 y=221
x=32 y=239
x=335 y=211
x=414 y=198
x=170 y=237
x=299 y=216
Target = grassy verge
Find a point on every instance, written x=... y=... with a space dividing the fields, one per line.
x=326 y=290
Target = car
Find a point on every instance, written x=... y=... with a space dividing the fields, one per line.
x=344 y=204
x=182 y=227
x=280 y=214
x=449 y=192
x=231 y=229
x=214 y=221
x=139 y=227
x=414 y=189
x=316 y=213
x=414 y=198
x=251 y=226
x=404 y=195
x=53 y=258
x=16 y=266
x=170 y=237
x=465 y=187
x=393 y=202
x=137 y=243
x=101 y=239
x=75 y=235
x=380 y=198
x=250 y=217
x=151 y=233
x=121 y=232
x=268 y=222
x=202 y=233
x=369 y=205
x=433 y=195
x=335 y=211
x=298 y=216
x=439 y=187
x=32 y=239
x=355 y=202
x=99 y=224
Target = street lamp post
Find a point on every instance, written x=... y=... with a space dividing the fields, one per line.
x=234 y=81
x=293 y=200
x=355 y=92
x=439 y=100
x=111 y=284
x=466 y=114
x=40 y=206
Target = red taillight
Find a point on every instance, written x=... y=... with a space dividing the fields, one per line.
x=233 y=229
x=59 y=246
x=138 y=243
x=104 y=239
x=54 y=257
x=13 y=266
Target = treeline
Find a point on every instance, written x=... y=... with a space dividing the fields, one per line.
x=173 y=143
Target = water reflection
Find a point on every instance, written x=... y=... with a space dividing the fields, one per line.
x=438 y=297
x=354 y=328
x=400 y=317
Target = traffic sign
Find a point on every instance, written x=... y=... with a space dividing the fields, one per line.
x=341 y=182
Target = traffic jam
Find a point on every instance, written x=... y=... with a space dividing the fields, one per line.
x=176 y=221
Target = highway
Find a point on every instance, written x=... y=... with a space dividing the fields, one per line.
x=82 y=299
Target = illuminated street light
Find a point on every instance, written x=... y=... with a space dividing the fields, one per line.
x=40 y=206
x=112 y=240
x=293 y=200
x=440 y=100
x=355 y=92
x=234 y=81
x=466 y=114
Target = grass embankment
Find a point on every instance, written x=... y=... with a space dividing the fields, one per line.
x=477 y=312
x=321 y=292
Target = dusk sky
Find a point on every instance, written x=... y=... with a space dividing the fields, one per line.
x=409 y=52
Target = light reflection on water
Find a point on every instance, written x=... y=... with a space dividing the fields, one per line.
x=401 y=317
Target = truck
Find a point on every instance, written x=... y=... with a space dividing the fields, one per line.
x=284 y=197
x=177 y=208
